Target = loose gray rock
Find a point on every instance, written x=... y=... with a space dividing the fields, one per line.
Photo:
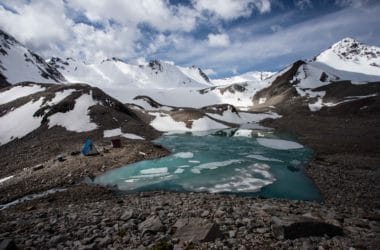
x=197 y=230
x=151 y=224
x=298 y=227
x=128 y=214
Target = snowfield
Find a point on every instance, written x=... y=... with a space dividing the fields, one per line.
x=18 y=92
x=76 y=120
x=164 y=122
x=117 y=132
x=20 y=121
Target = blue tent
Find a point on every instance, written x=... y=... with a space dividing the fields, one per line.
x=89 y=148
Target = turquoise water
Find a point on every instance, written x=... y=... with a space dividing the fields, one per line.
x=243 y=161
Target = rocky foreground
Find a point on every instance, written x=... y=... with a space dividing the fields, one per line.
x=86 y=217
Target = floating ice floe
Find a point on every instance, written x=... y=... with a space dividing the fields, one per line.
x=179 y=171
x=244 y=181
x=263 y=158
x=154 y=171
x=213 y=165
x=278 y=144
x=184 y=155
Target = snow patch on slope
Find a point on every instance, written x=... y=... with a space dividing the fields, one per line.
x=164 y=122
x=117 y=132
x=18 y=92
x=76 y=120
x=10 y=125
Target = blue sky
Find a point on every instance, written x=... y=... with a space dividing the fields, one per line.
x=225 y=37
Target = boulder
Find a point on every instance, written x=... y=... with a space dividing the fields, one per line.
x=297 y=227
x=151 y=224
x=128 y=214
x=196 y=230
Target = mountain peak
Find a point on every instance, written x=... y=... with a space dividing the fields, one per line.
x=351 y=55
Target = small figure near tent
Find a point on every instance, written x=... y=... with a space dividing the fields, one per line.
x=116 y=143
x=89 y=148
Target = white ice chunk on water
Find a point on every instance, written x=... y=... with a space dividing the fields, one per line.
x=214 y=165
x=179 y=171
x=262 y=158
x=184 y=155
x=150 y=171
x=278 y=144
x=243 y=181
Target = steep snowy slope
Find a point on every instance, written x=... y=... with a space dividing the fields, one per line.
x=18 y=64
x=351 y=55
x=196 y=74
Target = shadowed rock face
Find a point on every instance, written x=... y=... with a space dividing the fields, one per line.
x=290 y=228
x=281 y=85
x=3 y=81
x=311 y=228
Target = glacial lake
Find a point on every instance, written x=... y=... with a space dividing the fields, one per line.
x=240 y=161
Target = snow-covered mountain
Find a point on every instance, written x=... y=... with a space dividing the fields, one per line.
x=351 y=55
x=18 y=64
x=172 y=85
x=116 y=73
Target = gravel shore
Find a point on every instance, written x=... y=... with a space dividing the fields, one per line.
x=88 y=217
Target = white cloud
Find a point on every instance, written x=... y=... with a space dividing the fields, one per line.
x=218 y=40
x=232 y=9
x=51 y=27
x=209 y=72
x=353 y=3
x=157 y=13
x=303 y=4
x=40 y=23
x=299 y=41
x=276 y=27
